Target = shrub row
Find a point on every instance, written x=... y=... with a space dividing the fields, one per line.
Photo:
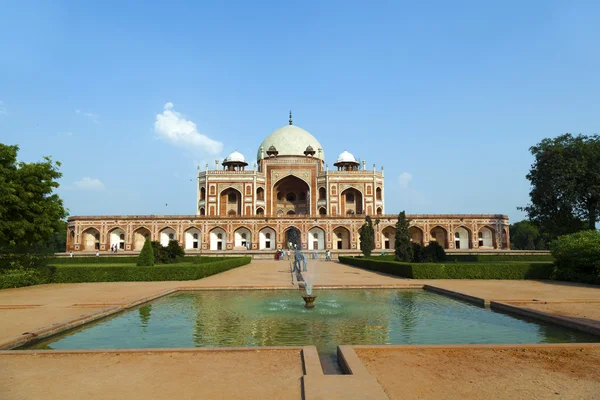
x=520 y=270
x=172 y=272
x=119 y=260
x=488 y=257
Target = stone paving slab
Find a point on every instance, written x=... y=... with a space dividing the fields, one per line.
x=485 y=372
x=197 y=374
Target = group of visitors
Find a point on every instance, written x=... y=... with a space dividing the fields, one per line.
x=114 y=248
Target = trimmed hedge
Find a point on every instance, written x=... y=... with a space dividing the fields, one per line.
x=121 y=260
x=488 y=258
x=169 y=272
x=520 y=270
x=14 y=278
x=132 y=273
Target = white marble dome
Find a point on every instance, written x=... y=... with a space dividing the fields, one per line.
x=346 y=157
x=236 y=156
x=291 y=140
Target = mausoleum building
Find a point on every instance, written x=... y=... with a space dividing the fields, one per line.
x=288 y=188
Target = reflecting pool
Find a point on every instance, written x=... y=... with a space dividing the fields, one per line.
x=279 y=318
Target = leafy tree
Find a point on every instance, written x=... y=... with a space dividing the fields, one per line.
x=367 y=237
x=402 y=243
x=565 y=181
x=525 y=235
x=146 y=256
x=30 y=212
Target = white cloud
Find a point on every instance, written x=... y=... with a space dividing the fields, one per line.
x=403 y=179
x=65 y=133
x=3 y=109
x=88 y=183
x=92 y=117
x=180 y=131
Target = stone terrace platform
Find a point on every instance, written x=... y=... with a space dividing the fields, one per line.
x=292 y=372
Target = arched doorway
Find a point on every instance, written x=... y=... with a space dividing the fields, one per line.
x=316 y=239
x=139 y=238
x=290 y=194
x=352 y=202
x=166 y=235
x=91 y=239
x=416 y=235
x=293 y=238
x=266 y=239
x=440 y=235
x=260 y=211
x=485 y=237
x=230 y=202
x=388 y=237
x=242 y=238
x=116 y=237
x=341 y=238
x=192 y=239
x=218 y=239
x=462 y=238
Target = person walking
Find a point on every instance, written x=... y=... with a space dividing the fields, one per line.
x=327 y=255
x=71 y=254
x=297 y=259
x=97 y=253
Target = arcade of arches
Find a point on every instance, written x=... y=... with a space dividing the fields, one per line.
x=256 y=233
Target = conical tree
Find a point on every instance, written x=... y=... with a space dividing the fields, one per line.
x=146 y=257
x=404 y=251
x=367 y=237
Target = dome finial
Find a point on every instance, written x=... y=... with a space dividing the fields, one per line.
x=290 y=117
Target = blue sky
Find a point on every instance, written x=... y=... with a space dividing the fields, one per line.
x=447 y=96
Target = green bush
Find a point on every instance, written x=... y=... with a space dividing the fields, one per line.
x=171 y=272
x=146 y=256
x=89 y=260
x=14 y=278
x=433 y=252
x=417 y=252
x=454 y=270
x=577 y=257
x=169 y=254
x=501 y=257
x=579 y=252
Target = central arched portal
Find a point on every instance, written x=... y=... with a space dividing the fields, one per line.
x=293 y=238
x=290 y=196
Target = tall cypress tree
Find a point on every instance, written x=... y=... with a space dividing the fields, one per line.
x=404 y=251
x=367 y=237
x=146 y=256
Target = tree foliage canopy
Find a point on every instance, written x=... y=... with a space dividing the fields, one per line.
x=367 y=237
x=525 y=235
x=565 y=184
x=30 y=213
x=402 y=244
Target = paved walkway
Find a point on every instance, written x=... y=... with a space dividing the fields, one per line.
x=24 y=311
